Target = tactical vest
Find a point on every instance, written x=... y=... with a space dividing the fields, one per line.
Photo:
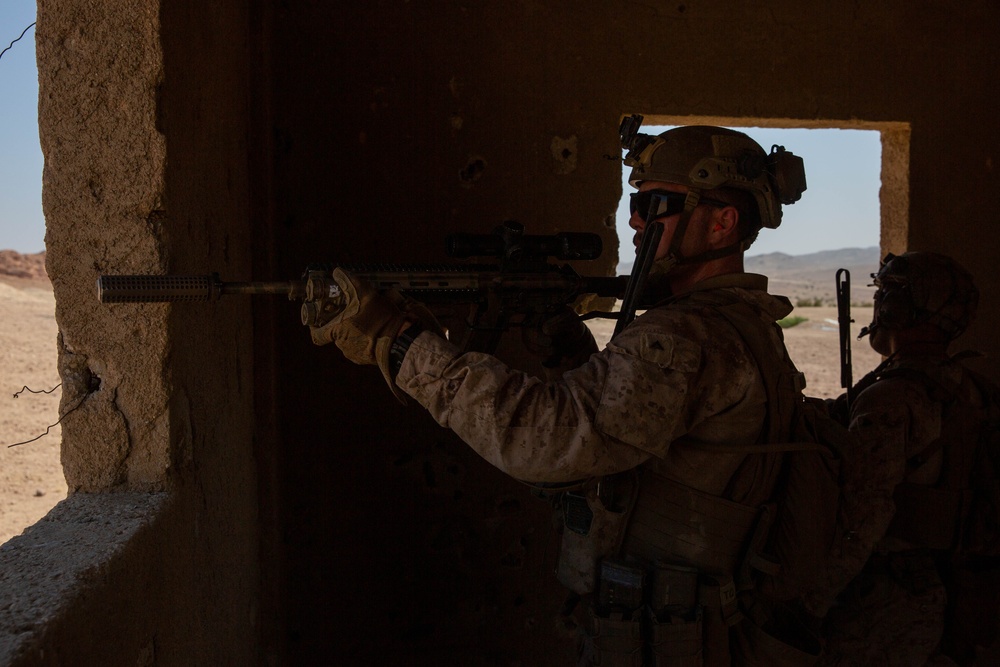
x=663 y=564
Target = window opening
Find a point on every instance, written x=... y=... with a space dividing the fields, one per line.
x=843 y=218
x=839 y=209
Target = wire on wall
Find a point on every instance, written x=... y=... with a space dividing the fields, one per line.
x=9 y=46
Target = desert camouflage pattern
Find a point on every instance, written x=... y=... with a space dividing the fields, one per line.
x=891 y=614
x=679 y=375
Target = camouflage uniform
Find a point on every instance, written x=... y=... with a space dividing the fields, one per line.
x=656 y=431
x=674 y=383
x=893 y=613
x=675 y=377
x=924 y=482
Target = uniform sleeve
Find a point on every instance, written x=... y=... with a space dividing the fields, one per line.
x=533 y=430
x=880 y=419
x=627 y=403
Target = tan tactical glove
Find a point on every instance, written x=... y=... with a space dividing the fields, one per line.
x=369 y=323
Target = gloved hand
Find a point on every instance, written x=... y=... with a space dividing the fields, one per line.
x=562 y=340
x=369 y=323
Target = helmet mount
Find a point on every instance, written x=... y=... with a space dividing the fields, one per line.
x=707 y=158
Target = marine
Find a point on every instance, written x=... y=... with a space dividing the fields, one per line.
x=928 y=590
x=651 y=441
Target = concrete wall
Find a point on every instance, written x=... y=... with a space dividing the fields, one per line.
x=153 y=558
x=302 y=516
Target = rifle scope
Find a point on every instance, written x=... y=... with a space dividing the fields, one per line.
x=509 y=242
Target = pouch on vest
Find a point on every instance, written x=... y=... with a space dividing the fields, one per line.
x=677 y=642
x=617 y=639
x=676 y=524
x=674 y=590
x=809 y=521
x=592 y=531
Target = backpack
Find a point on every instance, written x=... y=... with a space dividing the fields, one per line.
x=795 y=559
x=959 y=517
x=980 y=527
x=959 y=514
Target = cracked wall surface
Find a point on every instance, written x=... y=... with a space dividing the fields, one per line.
x=104 y=176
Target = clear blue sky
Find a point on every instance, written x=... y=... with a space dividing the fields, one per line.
x=840 y=209
x=22 y=226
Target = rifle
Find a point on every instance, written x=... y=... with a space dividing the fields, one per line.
x=521 y=290
x=843 y=285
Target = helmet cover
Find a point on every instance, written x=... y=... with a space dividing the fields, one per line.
x=918 y=287
x=707 y=158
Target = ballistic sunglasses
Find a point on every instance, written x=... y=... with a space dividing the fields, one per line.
x=666 y=203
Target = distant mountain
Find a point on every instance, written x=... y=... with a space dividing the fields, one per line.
x=844 y=257
x=16 y=265
x=811 y=277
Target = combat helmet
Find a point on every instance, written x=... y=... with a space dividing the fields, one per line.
x=918 y=287
x=707 y=158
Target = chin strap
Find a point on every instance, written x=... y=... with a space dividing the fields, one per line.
x=644 y=259
x=674 y=256
x=646 y=263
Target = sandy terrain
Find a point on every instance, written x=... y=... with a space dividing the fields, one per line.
x=31 y=477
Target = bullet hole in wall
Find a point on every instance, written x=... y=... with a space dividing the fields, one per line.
x=472 y=171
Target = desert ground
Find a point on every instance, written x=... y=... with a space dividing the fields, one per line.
x=31 y=477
